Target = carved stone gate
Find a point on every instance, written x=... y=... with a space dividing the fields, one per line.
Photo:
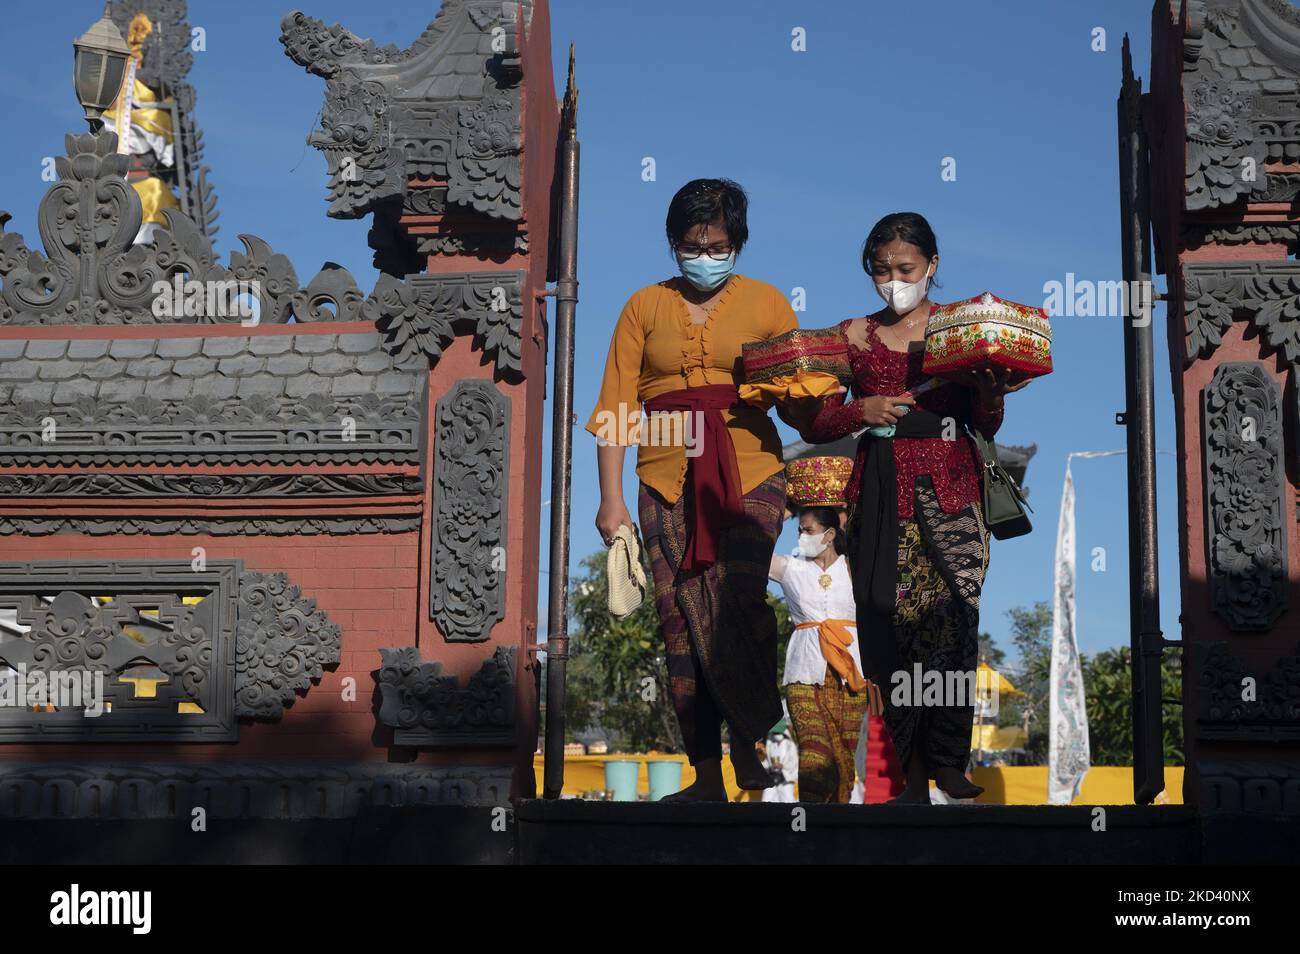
x=1223 y=124
x=298 y=547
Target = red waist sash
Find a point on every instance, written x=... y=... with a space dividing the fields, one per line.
x=714 y=475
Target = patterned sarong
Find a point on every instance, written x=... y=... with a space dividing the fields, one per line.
x=719 y=631
x=942 y=560
x=827 y=720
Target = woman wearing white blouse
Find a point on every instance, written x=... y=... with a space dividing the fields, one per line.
x=825 y=690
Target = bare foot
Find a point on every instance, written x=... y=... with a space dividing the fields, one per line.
x=698 y=791
x=956 y=785
x=750 y=774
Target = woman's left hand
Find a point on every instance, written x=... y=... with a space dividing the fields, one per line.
x=992 y=383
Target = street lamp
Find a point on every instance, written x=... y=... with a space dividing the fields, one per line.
x=98 y=66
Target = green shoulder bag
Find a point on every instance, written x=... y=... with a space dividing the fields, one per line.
x=1004 y=503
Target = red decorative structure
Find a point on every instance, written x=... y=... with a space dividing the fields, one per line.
x=293 y=528
x=1221 y=119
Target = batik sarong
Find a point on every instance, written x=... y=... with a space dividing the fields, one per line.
x=942 y=560
x=827 y=720
x=719 y=631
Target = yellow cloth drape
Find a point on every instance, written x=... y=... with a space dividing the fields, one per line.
x=147 y=111
x=154 y=197
x=801 y=384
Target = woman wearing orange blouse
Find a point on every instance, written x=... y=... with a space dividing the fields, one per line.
x=712 y=493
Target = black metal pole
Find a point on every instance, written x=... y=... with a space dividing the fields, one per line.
x=1145 y=638
x=179 y=163
x=566 y=302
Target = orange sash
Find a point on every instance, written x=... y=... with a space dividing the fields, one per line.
x=835 y=640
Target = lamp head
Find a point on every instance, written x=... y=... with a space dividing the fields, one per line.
x=99 y=63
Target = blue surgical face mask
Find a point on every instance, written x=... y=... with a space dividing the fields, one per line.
x=706 y=273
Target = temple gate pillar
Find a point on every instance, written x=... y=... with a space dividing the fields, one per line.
x=1223 y=118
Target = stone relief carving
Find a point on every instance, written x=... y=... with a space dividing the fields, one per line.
x=1241 y=65
x=282 y=644
x=213 y=525
x=1270 y=234
x=1221 y=142
x=239 y=789
x=310 y=398
x=1246 y=786
x=1246 y=522
x=471 y=469
x=1268 y=712
x=114 y=624
x=424 y=313
x=92 y=274
x=212 y=645
x=1268 y=293
x=208 y=485
x=429 y=708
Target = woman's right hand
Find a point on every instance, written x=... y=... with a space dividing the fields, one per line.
x=880 y=410
x=612 y=515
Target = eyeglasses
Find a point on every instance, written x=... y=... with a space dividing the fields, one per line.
x=718 y=254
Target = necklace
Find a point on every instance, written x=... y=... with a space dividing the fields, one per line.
x=825 y=580
x=899 y=339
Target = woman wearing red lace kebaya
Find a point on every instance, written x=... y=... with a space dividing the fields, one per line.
x=918 y=545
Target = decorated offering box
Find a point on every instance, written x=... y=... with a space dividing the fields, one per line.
x=806 y=362
x=988 y=332
x=818 y=481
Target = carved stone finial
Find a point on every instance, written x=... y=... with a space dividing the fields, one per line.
x=430 y=708
x=91 y=273
x=446 y=108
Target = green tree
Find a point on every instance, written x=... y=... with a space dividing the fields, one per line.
x=617 y=676
x=989 y=652
x=1108 y=693
x=1031 y=635
x=1108 y=690
x=783 y=630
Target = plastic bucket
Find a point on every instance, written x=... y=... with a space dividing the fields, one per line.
x=665 y=777
x=620 y=778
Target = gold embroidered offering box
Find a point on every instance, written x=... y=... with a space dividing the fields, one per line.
x=988 y=332
x=805 y=362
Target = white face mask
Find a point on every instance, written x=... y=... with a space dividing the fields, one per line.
x=811 y=545
x=901 y=296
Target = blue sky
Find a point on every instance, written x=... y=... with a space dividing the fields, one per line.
x=825 y=141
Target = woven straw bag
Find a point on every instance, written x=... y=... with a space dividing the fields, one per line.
x=626 y=576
